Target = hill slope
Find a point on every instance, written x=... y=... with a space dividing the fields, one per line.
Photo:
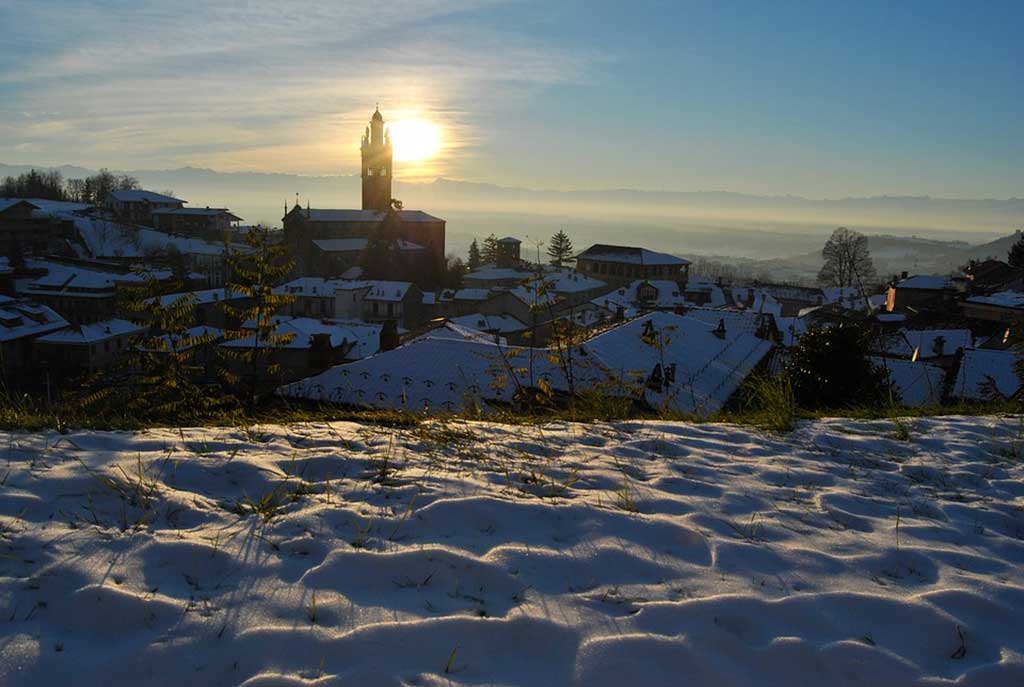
x=477 y=554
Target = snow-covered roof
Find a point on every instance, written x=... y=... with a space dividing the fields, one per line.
x=202 y=297
x=11 y=202
x=756 y=299
x=1003 y=299
x=311 y=286
x=388 y=290
x=448 y=370
x=986 y=375
x=791 y=329
x=192 y=337
x=441 y=371
x=355 y=245
x=139 y=195
x=199 y=212
x=707 y=369
x=630 y=255
x=327 y=215
x=927 y=282
x=492 y=273
x=531 y=295
x=470 y=295
x=669 y=295
x=92 y=333
x=916 y=383
x=568 y=280
x=735 y=321
x=46 y=207
x=502 y=324
x=62 y=278
x=363 y=337
x=105 y=238
x=929 y=343
x=509 y=239
x=19 y=318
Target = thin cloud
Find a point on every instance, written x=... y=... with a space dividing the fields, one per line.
x=264 y=87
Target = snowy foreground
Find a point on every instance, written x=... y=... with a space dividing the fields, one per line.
x=641 y=553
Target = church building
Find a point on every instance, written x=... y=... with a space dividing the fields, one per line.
x=380 y=237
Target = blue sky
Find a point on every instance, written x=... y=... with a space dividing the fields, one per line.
x=814 y=99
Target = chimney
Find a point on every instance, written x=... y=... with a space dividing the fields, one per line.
x=903 y=274
x=389 y=336
x=720 y=329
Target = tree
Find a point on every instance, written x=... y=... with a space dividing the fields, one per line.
x=847 y=260
x=454 y=270
x=489 y=254
x=560 y=249
x=34 y=184
x=1016 y=255
x=254 y=273
x=830 y=368
x=474 y=255
x=96 y=188
x=159 y=379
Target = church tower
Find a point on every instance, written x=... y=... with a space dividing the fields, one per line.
x=376 y=151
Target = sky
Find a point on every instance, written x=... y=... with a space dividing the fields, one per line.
x=815 y=99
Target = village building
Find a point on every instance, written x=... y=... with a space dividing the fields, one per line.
x=920 y=291
x=307 y=346
x=208 y=306
x=21 y=322
x=508 y=252
x=1001 y=307
x=212 y=224
x=27 y=228
x=334 y=257
x=619 y=265
x=993 y=276
x=86 y=349
x=383 y=225
x=643 y=296
x=491 y=276
x=136 y=206
x=82 y=294
x=399 y=302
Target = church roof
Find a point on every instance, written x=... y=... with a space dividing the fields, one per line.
x=631 y=255
x=377 y=116
x=351 y=245
x=315 y=215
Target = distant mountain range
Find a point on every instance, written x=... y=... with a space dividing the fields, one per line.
x=783 y=233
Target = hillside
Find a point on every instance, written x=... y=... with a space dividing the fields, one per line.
x=641 y=553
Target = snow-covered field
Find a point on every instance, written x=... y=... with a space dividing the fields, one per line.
x=639 y=553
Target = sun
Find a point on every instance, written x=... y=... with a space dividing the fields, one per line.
x=414 y=139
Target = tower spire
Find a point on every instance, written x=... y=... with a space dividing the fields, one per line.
x=376 y=165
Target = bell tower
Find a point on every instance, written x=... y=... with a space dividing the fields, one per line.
x=376 y=153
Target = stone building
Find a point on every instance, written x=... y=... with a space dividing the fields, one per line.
x=404 y=244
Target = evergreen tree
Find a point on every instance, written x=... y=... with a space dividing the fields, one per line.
x=159 y=379
x=560 y=248
x=254 y=273
x=830 y=368
x=489 y=254
x=1016 y=255
x=474 y=255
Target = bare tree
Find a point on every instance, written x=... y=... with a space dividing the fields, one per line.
x=847 y=260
